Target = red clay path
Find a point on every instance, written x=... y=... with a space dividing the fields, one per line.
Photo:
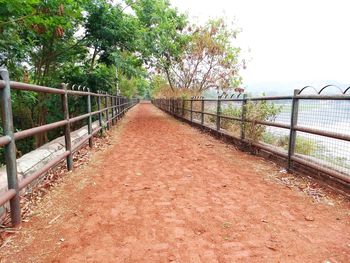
x=165 y=192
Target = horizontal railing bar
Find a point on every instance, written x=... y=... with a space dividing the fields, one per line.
x=32 y=131
x=96 y=112
x=323 y=169
x=229 y=118
x=270 y=123
x=232 y=100
x=85 y=140
x=5 y=197
x=209 y=113
x=4 y=140
x=44 y=89
x=81 y=143
x=344 y=137
x=323 y=97
x=78 y=118
x=80 y=93
x=29 y=179
x=36 y=88
x=270 y=98
x=96 y=130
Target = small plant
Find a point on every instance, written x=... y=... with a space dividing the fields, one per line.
x=229 y=125
x=302 y=145
x=259 y=111
x=254 y=111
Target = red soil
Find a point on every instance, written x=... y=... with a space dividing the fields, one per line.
x=165 y=192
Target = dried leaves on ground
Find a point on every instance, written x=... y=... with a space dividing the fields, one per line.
x=40 y=187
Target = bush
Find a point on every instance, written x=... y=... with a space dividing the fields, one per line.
x=255 y=111
x=302 y=145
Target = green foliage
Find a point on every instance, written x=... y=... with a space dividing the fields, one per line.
x=303 y=145
x=232 y=126
x=96 y=43
x=254 y=111
x=163 y=40
x=259 y=111
x=208 y=59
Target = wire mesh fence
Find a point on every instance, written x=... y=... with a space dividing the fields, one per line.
x=310 y=129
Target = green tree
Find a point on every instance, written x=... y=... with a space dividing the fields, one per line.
x=209 y=60
x=162 y=35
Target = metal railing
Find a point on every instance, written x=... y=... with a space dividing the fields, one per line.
x=114 y=108
x=311 y=130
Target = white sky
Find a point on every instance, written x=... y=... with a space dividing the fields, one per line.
x=290 y=40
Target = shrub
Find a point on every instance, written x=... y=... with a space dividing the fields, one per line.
x=302 y=145
x=255 y=111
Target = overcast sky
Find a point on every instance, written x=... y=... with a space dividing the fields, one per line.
x=294 y=40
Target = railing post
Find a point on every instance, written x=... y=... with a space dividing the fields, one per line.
x=172 y=106
x=107 y=113
x=112 y=105
x=10 y=148
x=120 y=106
x=90 y=117
x=183 y=107
x=117 y=107
x=67 y=137
x=293 y=124
x=202 y=112
x=218 y=113
x=123 y=106
x=99 y=113
x=191 y=115
x=243 y=116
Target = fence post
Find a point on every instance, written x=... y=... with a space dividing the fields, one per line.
x=90 y=117
x=67 y=137
x=112 y=105
x=218 y=113
x=171 y=105
x=191 y=115
x=293 y=124
x=106 y=105
x=243 y=116
x=202 y=112
x=10 y=148
x=183 y=107
x=124 y=105
x=118 y=107
x=99 y=113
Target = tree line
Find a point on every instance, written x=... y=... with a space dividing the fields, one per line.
x=142 y=48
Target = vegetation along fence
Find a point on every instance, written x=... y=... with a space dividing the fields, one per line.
x=109 y=109
x=312 y=130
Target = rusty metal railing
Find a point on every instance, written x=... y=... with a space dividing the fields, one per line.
x=297 y=120
x=115 y=108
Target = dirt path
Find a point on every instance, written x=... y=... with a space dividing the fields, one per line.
x=164 y=192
